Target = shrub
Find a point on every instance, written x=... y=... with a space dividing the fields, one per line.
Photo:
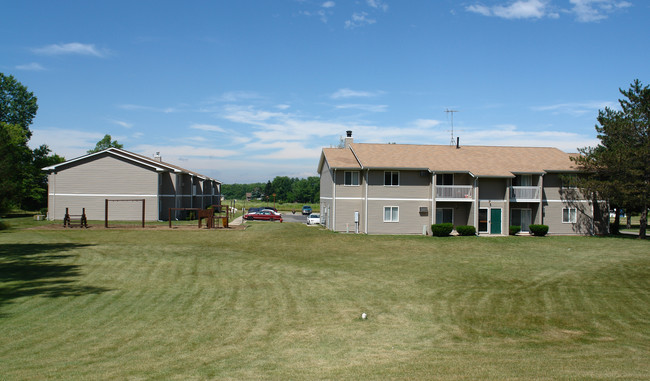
x=441 y=230
x=514 y=229
x=4 y=225
x=538 y=230
x=466 y=230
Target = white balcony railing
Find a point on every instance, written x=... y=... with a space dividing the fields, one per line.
x=519 y=193
x=454 y=192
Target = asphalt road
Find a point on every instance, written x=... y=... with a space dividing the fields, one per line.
x=289 y=217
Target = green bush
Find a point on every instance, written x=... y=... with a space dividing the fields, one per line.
x=441 y=230
x=4 y=225
x=466 y=230
x=538 y=230
x=514 y=229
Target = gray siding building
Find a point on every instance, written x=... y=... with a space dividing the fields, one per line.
x=403 y=189
x=116 y=174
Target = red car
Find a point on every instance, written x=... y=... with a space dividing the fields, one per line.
x=264 y=215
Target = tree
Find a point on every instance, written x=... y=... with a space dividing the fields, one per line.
x=17 y=105
x=22 y=184
x=105 y=143
x=619 y=167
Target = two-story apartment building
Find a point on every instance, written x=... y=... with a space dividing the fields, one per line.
x=403 y=189
x=116 y=174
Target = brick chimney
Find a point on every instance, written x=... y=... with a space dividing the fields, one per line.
x=348 y=138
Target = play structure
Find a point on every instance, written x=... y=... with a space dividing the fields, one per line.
x=78 y=220
x=106 y=205
x=213 y=216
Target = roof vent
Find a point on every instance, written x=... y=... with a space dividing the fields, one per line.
x=157 y=157
x=457 y=142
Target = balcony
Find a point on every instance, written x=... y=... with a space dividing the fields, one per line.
x=525 y=194
x=454 y=193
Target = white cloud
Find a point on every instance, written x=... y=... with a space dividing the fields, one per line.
x=584 y=10
x=576 y=108
x=33 y=66
x=378 y=4
x=426 y=123
x=520 y=9
x=183 y=151
x=364 y=107
x=133 y=107
x=71 y=48
x=510 y=135
x=348 y=93
x=122 y=123
x=328 y=4
x=359 y=19
x=65 y=142
x=596 y=10
x=207 y=127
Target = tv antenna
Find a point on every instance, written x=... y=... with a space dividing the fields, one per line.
x=448 y=111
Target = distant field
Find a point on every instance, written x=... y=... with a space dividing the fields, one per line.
x=283 y=301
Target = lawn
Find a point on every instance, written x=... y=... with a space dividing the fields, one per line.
x=283 y=301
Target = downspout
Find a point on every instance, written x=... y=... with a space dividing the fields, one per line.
x=541 y=199
x=160 y=196
x=334 y=200
x=433 y=197
x=476 y=205
x=507 y=213
x=365 y=218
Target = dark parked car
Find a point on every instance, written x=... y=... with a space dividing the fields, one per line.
x=264 y=215
x=306 y=209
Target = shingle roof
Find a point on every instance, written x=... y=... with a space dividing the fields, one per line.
x=158 y=165
x=482 y=161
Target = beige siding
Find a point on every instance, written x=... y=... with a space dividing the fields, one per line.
x=411 y=185
x=492 y=189
x=355 y=191
x=553 y=189
x=86 y=184
x=462 y=212
x=410 y=219
x=553 y=218
x=345 y=215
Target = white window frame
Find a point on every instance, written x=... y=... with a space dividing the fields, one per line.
x=391 y=178
x=441 y=210
x=394 y=214
x=573 y=217
x=352 y=173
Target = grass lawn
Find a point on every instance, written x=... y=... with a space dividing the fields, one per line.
x=283 y=301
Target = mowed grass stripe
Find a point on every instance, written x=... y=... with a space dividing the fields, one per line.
x=282 y=301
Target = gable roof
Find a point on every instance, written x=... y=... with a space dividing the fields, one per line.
x=480 y=161
x=158 y=166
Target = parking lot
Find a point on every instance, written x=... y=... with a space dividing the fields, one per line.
x=289 y=217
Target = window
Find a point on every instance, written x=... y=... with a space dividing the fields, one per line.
x=444 y=216
x=391 y=178
x=523 y=180
x=445 y=179
x=351 y=178
x=391 y=213
x=569 y=215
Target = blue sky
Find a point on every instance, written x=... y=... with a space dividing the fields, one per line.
x=244 y=91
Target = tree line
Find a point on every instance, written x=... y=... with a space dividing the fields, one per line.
x=282 y=189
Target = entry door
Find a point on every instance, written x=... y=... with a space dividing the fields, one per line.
x=489 y=220
x=495 y=221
